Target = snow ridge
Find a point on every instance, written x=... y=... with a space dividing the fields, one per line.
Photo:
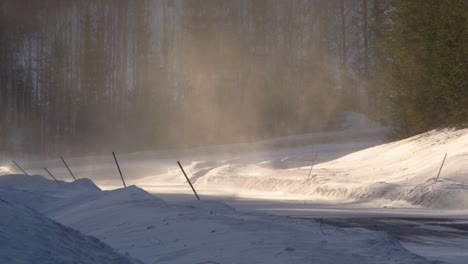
x=403 y=170
x=28 y=237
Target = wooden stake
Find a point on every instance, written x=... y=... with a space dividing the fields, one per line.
x=193 y=189
x=17 y=165
x=437 y=178
x=66 y=165
x=313 y=162
x=51 y=175
x=118 y=167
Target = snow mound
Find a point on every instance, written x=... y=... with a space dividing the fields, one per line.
x=26 y=182
x=131 y=194
x=104 y=201
x=399 y=171
x=28 y=237
x=40 y=183
x=84 y=183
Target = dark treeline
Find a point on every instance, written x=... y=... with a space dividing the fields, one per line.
x=81 y=77
x=422 y=65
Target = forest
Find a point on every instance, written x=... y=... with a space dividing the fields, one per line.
x=88 y=77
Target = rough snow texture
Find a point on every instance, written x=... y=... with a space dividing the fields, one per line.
x=403 y=170
x=28 y=237
x=135 y=222
x=131 y=220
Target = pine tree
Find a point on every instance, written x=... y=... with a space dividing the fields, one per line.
x=424 y=64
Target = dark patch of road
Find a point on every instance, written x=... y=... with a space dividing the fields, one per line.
x=405 y=229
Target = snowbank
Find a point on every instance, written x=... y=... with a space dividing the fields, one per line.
x=39 y=183
x=403 y=170
x=28 y=237
x=132 y=221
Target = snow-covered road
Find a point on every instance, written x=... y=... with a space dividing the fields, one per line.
x=134 y=222
x=357 y=176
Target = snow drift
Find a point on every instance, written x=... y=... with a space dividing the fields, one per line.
x=131 y=220
x=403 y=170
x=28 y=237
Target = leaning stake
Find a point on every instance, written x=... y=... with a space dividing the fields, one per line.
x=66 y=165
x=193 y=189
x=51 y=175
x=118 y=167
x=313 y=162
x=437 y=178
x=20 y=167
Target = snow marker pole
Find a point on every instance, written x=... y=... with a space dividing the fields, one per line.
x=51 y=175
x=437 y=178
x=118 y=167
x=17 y=165
x=313 y=162
x=193 y=189
x=66 y=165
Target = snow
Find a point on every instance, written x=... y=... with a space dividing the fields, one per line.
x=400 y=171
x=356 y=174
x=449 y=252
x=137 y=223
x=28 y=237
x=4 y=170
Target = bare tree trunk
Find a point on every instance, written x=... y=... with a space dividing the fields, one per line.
x=343 y=39
x=366 y=40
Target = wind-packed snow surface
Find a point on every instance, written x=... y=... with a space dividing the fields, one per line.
x=29 y=237
x=353 y=167
x=405 y=171
x=135 y=222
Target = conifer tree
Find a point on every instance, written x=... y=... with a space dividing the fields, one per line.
x=423 y=64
